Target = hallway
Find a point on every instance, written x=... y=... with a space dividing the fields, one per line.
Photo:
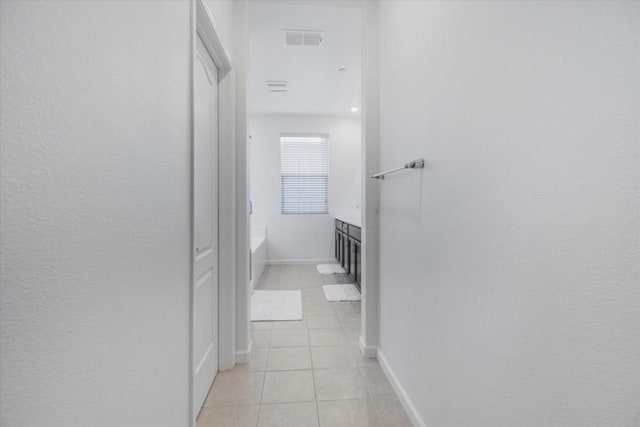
x=305 y=373
x=157 y=156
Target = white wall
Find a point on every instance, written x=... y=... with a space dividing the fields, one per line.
x=95 y=178
x=509 y=266
x=302 y=237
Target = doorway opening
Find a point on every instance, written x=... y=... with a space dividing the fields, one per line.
x=305 y=169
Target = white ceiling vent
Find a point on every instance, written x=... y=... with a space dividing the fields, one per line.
x=276 y=86
x=302 y=37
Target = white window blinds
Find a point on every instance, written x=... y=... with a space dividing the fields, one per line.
x=304 y=175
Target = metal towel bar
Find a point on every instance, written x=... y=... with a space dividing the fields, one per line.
x=414 y=164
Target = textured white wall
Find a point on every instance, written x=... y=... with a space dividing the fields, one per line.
x=300 y=237
x=510 y=266
x=95 y=142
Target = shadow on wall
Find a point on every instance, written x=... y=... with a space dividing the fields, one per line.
x=258 y=253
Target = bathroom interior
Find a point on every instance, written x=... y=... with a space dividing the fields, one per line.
x=304 y=102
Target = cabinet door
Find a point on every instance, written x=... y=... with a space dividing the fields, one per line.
x=341 y=258
x=353 y=268
x=358 y=264
x=345 y=252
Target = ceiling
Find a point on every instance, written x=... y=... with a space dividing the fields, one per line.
x=315 y=86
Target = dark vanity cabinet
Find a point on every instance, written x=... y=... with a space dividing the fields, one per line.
x=355 y=263
x=348 y=249
x=341 y=247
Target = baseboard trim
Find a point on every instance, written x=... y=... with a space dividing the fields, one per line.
x=244 y=356
x=299 y=261
x=368 y=351
x=408 y=405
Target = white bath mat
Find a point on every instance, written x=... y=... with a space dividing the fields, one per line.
x=335 y=293
x=276 y=305
x=330 y=269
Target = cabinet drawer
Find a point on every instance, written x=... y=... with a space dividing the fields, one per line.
x=339 y=224
x=345 y=227
x=355 y=232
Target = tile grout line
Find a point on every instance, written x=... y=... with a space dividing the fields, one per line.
x=257 y=371
x=375 y=408
x=287 y=402
x=370 y=397
x=264 y=380
x=315 y=391
x=313 y=375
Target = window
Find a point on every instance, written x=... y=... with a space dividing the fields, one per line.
x=304 y=175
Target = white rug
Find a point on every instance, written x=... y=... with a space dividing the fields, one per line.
x=330 y=269
x=276 y=305
x=341 y=293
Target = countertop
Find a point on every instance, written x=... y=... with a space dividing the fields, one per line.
x=350 y=220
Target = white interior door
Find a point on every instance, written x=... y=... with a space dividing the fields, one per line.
x=205 y=285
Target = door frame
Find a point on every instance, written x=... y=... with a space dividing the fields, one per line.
x=203 y=26
x=370 y=155
x=370 y=161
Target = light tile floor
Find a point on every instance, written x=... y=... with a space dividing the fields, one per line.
x=305 y=373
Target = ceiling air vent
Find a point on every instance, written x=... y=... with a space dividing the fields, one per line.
x=276 y=86
x=302 y=37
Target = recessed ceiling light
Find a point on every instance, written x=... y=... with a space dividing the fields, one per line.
x=354 y=109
